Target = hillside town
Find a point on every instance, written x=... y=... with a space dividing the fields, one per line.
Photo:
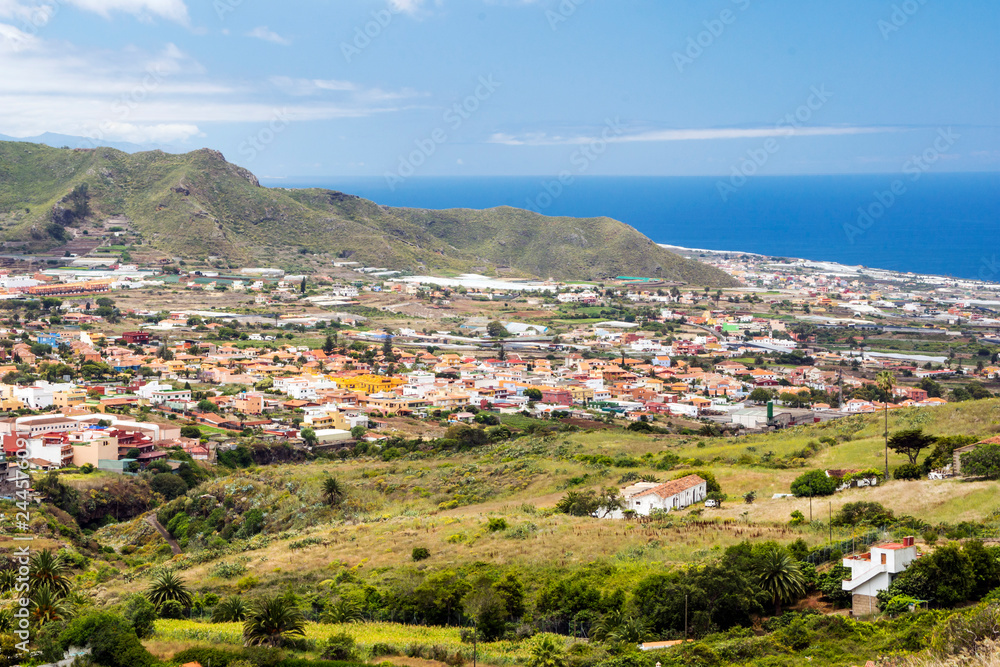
x=93 y=375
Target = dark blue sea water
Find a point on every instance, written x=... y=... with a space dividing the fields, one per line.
x=944 y=224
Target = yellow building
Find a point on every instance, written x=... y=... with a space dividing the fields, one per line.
x=369 y=384
x=7 y=399
x=71 y=398
x=93 y=451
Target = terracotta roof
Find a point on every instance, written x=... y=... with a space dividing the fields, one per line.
x=674 y=487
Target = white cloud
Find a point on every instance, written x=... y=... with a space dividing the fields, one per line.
x=162 y=133
x=14 y=39
x=299 y=87
x=172 y=10
x=262 y=32
x=406 y=6
x=693 y=134
x=154 y=97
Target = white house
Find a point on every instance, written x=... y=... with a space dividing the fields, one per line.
x=873 y=572
x=644 y=497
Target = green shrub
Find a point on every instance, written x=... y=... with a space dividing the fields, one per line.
x=171 y=609
x=140 y=612
x=907 y=471
x=339 y=646
x=225 y=570
x=899 y=604
x=420 y=553
x=380 y=649
x=862 y=513
x=111 y=639
x=813 y=483
x=496 y=524
x=216 y=657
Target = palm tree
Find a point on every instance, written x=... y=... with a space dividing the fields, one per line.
x=271 y=621
x=546 y=652
x=333 y=491
x=8 y=579
x=342 y=611
x=885 y=381
x=47 y=605
x=609 y=623
x=780 y=577
x=229 y=610
x=168 y=586
x=47 y=568
x=632 y=631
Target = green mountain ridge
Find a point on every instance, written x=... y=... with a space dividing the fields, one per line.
x=197 y=205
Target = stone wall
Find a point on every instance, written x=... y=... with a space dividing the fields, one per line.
x=864 y=605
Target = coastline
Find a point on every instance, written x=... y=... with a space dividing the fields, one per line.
x=836 y=268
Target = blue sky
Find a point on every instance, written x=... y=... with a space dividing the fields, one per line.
x=633 y=87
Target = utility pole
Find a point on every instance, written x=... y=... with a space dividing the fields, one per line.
x=831 y=522
x=685 y=617
x=887 y=440
x=840 y=381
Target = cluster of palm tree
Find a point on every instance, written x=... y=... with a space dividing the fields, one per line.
x=50 y=593
x=49 y=586
x=268 y=621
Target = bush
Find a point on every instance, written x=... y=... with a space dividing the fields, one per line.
x=813 y=483
x=168 y=485
x=110 y=638
x=983 y=461
x=380 y=649
x=420 y=553
x=964 y=632
x=216 y=657
x=496 y=524
x=171 y=609
x=141 y=613
x=863 y=513
x=899 y=604
x=225 y=570
x=907 y=471
x=339 y=646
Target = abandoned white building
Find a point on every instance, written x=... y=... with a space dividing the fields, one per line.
x=642 y=498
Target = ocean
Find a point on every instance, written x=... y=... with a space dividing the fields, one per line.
x=941 y=224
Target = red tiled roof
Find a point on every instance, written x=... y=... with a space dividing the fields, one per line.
x=674 y=487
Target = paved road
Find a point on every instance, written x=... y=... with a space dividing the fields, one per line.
x=151 y=520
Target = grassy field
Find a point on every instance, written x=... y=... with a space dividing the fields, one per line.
x=401 y=637
x=444 y=502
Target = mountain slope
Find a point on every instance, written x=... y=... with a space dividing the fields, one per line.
x=197 y=205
